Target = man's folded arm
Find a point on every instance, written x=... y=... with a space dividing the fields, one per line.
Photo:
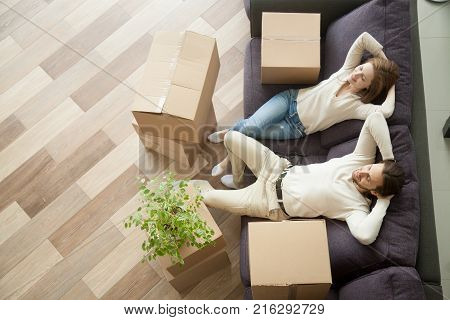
x=365 y=227
x=374 y=133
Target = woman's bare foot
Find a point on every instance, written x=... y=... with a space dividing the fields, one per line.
x=217 y=137
x=219 y=168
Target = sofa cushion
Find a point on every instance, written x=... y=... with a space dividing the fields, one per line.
x=340 y=132
x=397 y=242
x=298 y=151
x=307 y=146
x=386 y=21
x=398 y=283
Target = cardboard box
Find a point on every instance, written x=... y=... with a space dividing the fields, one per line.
x=290 y=48
x=198 y=263
x=174 y=98
x=199 y=272
x=185 y=153
x=289 y=259
x=182 y=152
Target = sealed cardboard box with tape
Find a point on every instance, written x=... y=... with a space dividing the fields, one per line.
x=174 y=98
x=289 y=259
x=198 y=263
x=290 y=48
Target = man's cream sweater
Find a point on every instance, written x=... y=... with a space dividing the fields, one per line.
x=327 y=189
x=319 y=108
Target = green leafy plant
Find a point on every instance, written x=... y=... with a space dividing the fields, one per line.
x=169 y=217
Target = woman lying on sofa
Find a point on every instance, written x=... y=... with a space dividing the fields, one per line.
x=347 y=94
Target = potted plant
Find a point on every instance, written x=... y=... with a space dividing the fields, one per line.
x=168 y=215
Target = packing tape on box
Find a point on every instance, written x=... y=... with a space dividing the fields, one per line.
x=168 y=83
x=162 y=88
x=159 y=88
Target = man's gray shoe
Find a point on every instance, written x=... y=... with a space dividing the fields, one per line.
x=227 y=181
x=215 y=137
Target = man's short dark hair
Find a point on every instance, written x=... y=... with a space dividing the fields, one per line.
x=393 y=178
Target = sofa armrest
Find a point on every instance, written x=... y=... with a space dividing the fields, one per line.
x=339 y=8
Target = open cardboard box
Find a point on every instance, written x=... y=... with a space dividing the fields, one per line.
x=290 y=48
x=289 y=259
x=198 y=263
x=174 y=98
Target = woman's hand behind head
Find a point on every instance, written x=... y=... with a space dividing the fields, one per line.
x=382 y=55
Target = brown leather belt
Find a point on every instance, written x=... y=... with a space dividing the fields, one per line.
x=278 y=188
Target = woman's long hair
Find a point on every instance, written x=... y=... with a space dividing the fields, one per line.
x=386 y=73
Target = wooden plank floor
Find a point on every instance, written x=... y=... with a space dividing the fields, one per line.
x=69 y=156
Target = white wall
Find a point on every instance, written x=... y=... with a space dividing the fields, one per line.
x=434 y=32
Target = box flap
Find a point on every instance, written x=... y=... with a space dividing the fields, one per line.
x=291 y=26
x=197 y=48
x=159 y=71
x=290 y=54
x=288 y=253
x=154 y=87
x=190 y=74
x=182 y=102
x=175 y=75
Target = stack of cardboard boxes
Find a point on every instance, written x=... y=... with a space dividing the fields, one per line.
x=173 y=114
x=173 y=105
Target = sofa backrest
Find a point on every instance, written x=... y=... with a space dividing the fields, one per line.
x=329 y=10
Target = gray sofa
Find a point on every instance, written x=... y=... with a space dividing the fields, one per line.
x=403 y=262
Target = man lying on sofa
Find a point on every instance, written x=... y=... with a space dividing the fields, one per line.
x=337 y=189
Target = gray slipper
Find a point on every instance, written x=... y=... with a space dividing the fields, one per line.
x=227 y=181
x=215 y=137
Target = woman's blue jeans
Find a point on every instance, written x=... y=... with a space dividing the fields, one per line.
x=277 y=119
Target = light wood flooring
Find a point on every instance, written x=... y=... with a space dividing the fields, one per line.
x=69 y=156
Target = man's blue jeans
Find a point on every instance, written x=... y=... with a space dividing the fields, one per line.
x=277 y=119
